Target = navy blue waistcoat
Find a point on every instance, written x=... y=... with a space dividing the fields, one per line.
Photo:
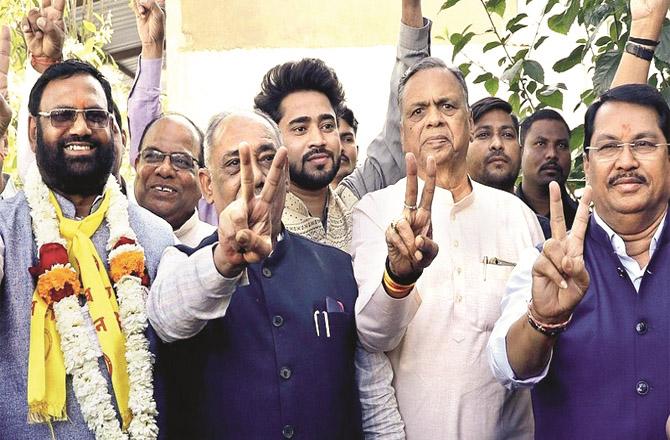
x=610 y=372
x=261 y=371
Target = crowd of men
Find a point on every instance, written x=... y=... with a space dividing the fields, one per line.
x=257 y=280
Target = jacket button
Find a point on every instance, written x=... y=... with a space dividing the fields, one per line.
x=287 y=431
x=267 y=273
x=285 y=373
x=642 y=388
x=277 y=321
x=641 y=327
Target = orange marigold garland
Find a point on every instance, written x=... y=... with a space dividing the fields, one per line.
x=57 y=283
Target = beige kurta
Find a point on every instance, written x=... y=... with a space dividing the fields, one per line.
x=297 y=219
x=437 y=336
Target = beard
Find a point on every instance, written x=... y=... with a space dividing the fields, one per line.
x=313 y=180
x=85 y=176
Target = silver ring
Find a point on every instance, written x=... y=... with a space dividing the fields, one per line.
x=410 y=207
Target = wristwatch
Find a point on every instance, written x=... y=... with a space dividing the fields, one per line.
x=639 y=51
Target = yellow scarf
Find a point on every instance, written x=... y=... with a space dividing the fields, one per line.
x=46 y=369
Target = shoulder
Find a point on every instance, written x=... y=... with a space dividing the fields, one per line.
x=308 y=249
x=149 y=226
x=371 y=202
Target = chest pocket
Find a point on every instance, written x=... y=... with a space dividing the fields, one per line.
x=485 y=301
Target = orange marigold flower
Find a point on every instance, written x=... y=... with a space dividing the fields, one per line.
x=57 y=283
x=127 y=263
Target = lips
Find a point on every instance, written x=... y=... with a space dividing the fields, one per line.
x=437 y=140
x=552 y=167
x=164 y=189
x=344 y=158
x=497 y=158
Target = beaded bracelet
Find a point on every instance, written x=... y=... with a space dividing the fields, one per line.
x=544 y=328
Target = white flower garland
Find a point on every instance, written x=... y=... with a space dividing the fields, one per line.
x=79 y=353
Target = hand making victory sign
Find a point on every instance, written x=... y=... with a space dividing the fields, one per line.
x=409 y=239
x=245 y=226
x=560 y=278
x=44 y=32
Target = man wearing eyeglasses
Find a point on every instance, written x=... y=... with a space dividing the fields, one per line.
x=585 y=321
x=545 y=143
x=171 y=152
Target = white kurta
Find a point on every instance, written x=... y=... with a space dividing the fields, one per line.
x=436 y=337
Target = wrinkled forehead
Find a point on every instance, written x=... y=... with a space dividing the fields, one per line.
x=432 y=84
x=77 y=91
x=251 y=129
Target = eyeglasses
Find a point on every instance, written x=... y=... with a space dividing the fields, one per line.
x=179 y=161
x=641 y=149
x=65 y=117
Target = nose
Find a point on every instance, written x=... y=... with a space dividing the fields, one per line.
x=551 y=152
x=496 y=142
x=316 y=138
x=259 y=175
x=79 y=126
x=165 y=169
x=626 y=159
x=435 y=118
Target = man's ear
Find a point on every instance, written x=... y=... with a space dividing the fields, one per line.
x=587 y=167
x=472 y=127
x=205 y=179
x=32 y=132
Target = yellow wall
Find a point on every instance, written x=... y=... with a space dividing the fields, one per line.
x=229 y=24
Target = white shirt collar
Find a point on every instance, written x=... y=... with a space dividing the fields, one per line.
x=617 y=242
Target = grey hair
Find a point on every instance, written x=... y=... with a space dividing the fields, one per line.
x=431 y=63
x=217 y=120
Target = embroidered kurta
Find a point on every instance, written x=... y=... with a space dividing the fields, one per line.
x=436 y=337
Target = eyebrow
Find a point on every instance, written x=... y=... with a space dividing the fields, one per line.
x=306 y=119
x=263 y=148
x=640 y=135
x=490 y=127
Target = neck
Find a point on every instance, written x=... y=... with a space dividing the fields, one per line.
x=82 y=204
x=537 y=197
x=637 y=239
x=314 y=200
x=177 y=223
x=454 y=180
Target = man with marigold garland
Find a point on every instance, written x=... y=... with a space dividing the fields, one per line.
x=76 y=259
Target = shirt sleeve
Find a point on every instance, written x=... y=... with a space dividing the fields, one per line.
x=385 y=161
x=374 y=375
x=381 y=319
x=188 y=292
x=144 y=101
x=514 y=305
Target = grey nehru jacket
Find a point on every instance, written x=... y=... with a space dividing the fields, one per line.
x=16 y=292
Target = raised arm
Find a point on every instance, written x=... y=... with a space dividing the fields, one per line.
x=144 y=99
x=559 y=281
x=385 y=163
x=646 y=24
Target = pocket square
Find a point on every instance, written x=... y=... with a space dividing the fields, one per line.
x=333 y=305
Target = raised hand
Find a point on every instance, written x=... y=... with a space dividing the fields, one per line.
x=44 y=32
x=5 y=110
x=150 y=20
x=245 y=226
x=409 y=239
x=560 y=278
x=640 y=9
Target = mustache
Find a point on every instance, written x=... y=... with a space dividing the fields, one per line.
x=631 y=174
x=314 y=152
x=553 y=164
x=497 y=153
x=62 y=143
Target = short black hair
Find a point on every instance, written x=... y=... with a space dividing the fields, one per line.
x=640 y=94
x=485 y=105
x=200 y=135
x=345 y=113
x=67 y=69
x=308 y=74
x=540 y=115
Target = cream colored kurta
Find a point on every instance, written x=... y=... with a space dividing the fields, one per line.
x=436 y=337
x=337 y=233
x=193 y=231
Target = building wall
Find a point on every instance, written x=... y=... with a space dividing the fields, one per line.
x=217 y=55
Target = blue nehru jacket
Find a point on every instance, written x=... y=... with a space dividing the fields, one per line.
x=262 y=371
x=610 y=372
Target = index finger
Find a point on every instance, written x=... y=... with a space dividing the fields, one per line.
x=429 y=186
x=411 y=187
x=581 y=221
x=246 y=173
x=557 y=220
x=274 y=176
x=58 y=6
